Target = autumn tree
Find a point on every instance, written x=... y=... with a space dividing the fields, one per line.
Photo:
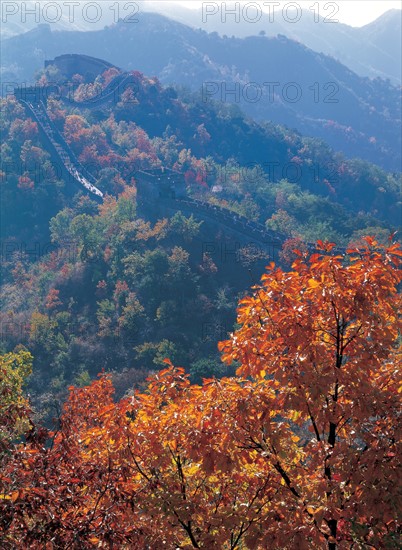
x=159 y=469
x=299 y=451
x=14 y=406
x=324 y=338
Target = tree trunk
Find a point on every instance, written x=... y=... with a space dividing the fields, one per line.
x=332 y=524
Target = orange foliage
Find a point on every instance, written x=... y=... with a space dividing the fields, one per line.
x=300 y=451
x=25 y=183
x=52 y=299
x=22 y=130
x=290 y=249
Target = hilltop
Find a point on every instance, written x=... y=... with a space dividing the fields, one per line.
x=355 y=115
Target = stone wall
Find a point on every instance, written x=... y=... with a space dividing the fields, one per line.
x=71 y=64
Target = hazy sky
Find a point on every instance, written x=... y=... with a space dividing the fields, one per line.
x=352 y=12
x=21 y=15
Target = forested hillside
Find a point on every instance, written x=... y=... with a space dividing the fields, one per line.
x=271 y=78
x=89 y=286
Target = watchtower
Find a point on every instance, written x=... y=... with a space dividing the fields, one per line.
x=162 y=183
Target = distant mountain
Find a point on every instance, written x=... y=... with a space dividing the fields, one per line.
x=22 y=17
x=310 y=92
x=380 y=46
x=373 y=50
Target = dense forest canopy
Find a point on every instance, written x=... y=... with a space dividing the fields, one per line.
x=300 y=450
x=135 y=219
x=134 y=280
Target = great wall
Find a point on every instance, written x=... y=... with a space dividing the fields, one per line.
x=163 y=184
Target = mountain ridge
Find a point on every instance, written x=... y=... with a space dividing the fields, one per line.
x=362 y=121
